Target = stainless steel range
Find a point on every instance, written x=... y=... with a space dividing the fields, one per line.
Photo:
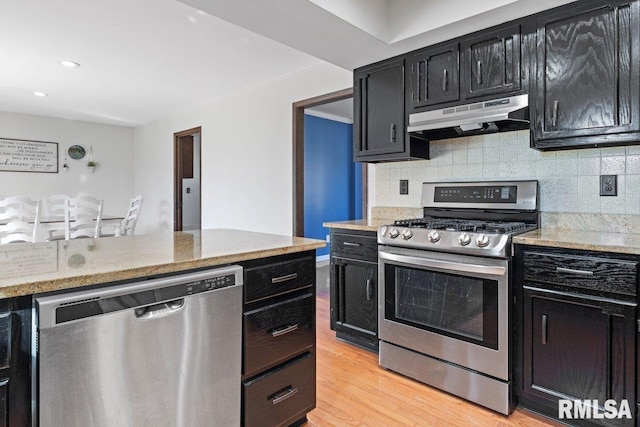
x=445 y=288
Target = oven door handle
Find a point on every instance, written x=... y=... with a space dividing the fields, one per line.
x=448 y=265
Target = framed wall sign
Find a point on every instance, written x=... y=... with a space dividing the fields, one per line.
x=18 y=155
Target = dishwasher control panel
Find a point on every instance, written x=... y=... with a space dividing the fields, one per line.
x=140 y=294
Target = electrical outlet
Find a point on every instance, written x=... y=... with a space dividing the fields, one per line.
x=608 y=185
x=404 y=186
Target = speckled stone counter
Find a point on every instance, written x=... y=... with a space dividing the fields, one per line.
x=49 y=266
x=585 y=240
x=359 y=224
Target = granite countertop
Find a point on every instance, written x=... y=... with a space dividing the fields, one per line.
x=27 y=268
x=371 y=224
x=586 y=240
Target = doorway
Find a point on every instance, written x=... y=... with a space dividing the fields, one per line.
x=298 y=158
x=187 y=183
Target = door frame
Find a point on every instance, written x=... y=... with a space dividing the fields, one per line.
x=177 y=183
x=298 y=156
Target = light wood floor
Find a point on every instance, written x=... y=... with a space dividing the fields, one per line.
x=352 y=390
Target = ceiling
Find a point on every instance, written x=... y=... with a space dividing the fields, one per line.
x=144 y=60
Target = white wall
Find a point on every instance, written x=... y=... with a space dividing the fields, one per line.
x=112 y=149
x=246 y=145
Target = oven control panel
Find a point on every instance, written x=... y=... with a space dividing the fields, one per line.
x=497 y=245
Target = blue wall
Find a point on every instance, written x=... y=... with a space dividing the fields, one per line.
x=332 y=181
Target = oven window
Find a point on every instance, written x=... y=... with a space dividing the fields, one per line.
x=458 y=306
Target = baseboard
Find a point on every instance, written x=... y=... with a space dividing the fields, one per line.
x=322 y=258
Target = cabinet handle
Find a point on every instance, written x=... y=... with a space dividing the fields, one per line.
x=544 y=329
x=351 y=244
x=392 y=132
x=284 y=278
x=283 y=394
x=369 y=289
x=479 y=72
x=444 y=80
x=554 y=114
x=284 y=331
x=572 y=271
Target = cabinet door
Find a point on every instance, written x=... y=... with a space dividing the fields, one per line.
x=434 y=76
x=577 y=348
x=491 y=63
x=586 y=76
x=354 y=297
x=379 y=115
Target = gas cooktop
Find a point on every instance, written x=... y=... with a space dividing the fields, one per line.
x=469 y=218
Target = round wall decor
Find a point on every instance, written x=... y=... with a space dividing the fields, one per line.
x=76 y=152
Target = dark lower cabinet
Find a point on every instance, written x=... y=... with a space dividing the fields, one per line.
x=353 y=287
x=276 y=397
x=15 y=362
x=577 y=343
x=278 y=367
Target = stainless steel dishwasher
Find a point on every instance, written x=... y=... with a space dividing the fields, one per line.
x=160 y=352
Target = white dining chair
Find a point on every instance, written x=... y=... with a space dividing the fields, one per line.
x=52 y=217
x=128 y=224
x=19 y=217
x=82 y=217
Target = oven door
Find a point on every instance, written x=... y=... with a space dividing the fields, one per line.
x=451 y=307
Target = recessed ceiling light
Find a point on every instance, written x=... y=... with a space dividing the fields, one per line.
x=69 y=64
x=39 y=94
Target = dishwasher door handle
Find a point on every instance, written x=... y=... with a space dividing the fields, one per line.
x=159 y=310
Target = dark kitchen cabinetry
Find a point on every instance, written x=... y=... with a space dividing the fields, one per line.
x=15 y=360
x=491 y=62
x=278 y=369
x=353 y=283
x=577 y=322
x=379 y=127
x=434 y=76
x=585 y=92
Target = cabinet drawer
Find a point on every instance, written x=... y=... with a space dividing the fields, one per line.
x=357 y=246
x=599 y=274
x=274 y=333
x=281 y=396
x=278 y=278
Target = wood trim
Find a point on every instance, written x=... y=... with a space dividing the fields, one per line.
x=298 y=154
x=177 y=190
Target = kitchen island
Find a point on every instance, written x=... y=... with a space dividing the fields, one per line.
x=276 y=268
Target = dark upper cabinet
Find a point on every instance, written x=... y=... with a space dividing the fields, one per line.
x=491 y=62
x=585 y=91
x=434 y=76
x=379 y=127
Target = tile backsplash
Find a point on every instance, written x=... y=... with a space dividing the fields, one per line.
x=569 y=180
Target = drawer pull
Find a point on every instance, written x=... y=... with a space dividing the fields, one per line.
x=284 y=278
x=351 y=244
x=283 y=394
x=572 y=271
x=284 y=331
x=544 y=329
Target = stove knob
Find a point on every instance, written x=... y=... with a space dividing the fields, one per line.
x=407 y=234
x=482 y=240
x=434 y=236
x=393 y=233
x=464 y=239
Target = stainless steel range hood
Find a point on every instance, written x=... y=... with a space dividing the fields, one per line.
x=497 y=115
